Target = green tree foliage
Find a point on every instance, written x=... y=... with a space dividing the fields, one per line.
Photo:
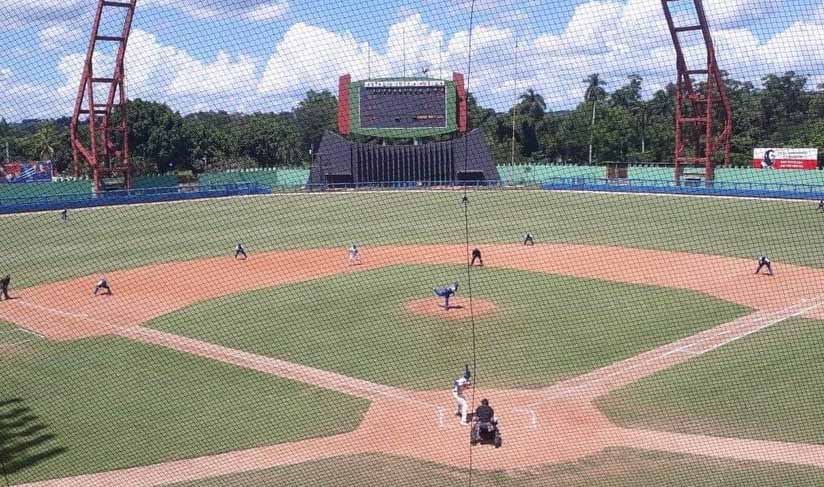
x=621 y=125
x=317 y=113
x=156 y=134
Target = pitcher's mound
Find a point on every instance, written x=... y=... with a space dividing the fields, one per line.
x=458 y=308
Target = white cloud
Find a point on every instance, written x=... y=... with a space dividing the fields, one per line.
x=268 y=12
x=496 y=5
x=221 y=77
x=58 y=37
x=167 y=74
x=615 y=38
x=735 y=13
x=252 y=10
x=313 y=57
x=20 y=13
x=799 y=49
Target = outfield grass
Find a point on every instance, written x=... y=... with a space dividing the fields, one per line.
x=546 y=328
x=94 y=241
x=767 y=386
x=616 y=467
x=74 y=408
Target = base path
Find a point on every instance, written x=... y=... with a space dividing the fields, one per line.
x=67 y=310
x=552 y=425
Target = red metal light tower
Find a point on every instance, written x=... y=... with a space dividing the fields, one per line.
x=107 y=152
x=696 y=138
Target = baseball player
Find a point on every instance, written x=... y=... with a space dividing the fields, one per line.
x=239 y=250
x=4 y=287
x=64 y=215
x=763 y=261
x=354 y=256
x=820 y=206
x=103 y=284
x=458 y=386
x=529 y=239
x=446 y=293
x=476 y=255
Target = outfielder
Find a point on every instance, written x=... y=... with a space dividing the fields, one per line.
x=529 y=239
x=64 y=215
x=354 y=256
x=763 y=261
x=446 y=293
x=239 y=250
x=458 y=386
x=820 y=206
x=4 y=287
x=103 y=284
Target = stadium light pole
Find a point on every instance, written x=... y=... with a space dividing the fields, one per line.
x=440 y=58
x=515 y=104
x=403 y=47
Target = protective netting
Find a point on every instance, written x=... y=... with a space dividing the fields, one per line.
x=337 y=334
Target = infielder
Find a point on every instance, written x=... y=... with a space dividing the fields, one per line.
x=458 y=386
x=103 y=284
x=4 y=287
x=476 y=255
x=354 y=256
x=763 y=261
x=239 y=250
x=446 y=293
x=529 y=239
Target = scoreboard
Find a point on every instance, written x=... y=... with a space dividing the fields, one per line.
x=400 y=108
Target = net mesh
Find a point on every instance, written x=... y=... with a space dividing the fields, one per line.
x=306 y=335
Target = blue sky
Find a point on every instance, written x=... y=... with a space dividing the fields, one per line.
x=247 y=55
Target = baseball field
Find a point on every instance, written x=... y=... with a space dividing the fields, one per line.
x=632 y=345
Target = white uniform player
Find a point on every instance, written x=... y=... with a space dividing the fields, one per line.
x=240 y=251
x=354 y=256
x=458 y=387
x=102 y=285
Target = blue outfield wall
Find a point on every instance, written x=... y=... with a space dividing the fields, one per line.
x=717 y=188
x=156 y=195
x=129 y=197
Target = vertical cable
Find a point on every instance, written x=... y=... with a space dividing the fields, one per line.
x=466 y=229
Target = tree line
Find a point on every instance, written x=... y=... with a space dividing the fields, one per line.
x=622 y=126
x=616 y=126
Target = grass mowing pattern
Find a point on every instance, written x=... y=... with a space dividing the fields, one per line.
x=106 y=239
x=767 y=386
x=106 y=404
x=546 y=327
x=616 y=467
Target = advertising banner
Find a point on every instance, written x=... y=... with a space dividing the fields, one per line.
x=26 y=172
x=785 y=158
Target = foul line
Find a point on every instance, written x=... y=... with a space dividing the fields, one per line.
x=355 y=384
x=30 y=332
x=565 y=392
x=68 y=314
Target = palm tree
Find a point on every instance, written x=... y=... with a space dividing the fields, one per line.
x=594 y=93
x=45 y=141
x=532 y=105
x=640 y=110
